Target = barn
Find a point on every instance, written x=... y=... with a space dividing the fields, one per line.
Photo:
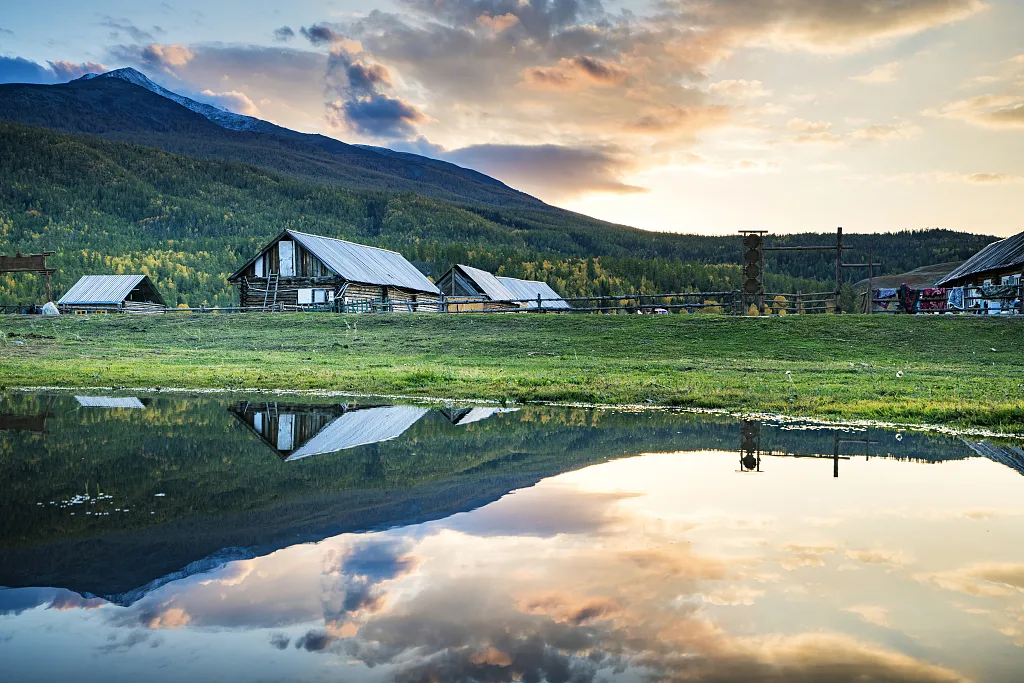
x=299 y=271
x=475 y=289
x=112 y=294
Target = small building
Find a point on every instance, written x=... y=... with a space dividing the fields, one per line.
x=529 y=291
x=112 y=294
x=298 y=271
x=476 y=290
x=1000 y=263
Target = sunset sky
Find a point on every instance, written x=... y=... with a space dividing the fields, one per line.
x=685 y=115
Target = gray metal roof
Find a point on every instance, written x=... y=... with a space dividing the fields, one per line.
x=488 y=284
x=359 y=428
x=102 y=289
x=527 y=291
x=109 y=402
x=996 y=256
x=363 y=264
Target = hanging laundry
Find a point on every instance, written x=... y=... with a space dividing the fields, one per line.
x=932 y=299
x=955 y=298
x=909 y=298
x=885 y=293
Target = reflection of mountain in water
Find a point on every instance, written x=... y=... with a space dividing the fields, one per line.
x=200 y=484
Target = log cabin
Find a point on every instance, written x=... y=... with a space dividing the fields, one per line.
x=476 y=290
x=299 y=271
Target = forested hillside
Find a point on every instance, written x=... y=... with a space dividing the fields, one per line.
x=108 y=207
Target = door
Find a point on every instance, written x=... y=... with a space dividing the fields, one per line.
x=286 y=251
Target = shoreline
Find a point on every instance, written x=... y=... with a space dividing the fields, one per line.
x=810 y=421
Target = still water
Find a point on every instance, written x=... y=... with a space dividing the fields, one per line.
x=154 y=538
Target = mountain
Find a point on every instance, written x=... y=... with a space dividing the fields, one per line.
x=126 y=106
x=131 y=177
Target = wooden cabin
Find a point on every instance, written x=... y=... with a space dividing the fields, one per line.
x=999 y=266
x=529 y=291
x=473 y=289
x=112 y=294
x=299 y=271
x=476 y=290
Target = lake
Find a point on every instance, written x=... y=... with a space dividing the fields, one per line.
x=271 y=538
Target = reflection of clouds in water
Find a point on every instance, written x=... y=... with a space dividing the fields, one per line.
x=544 y=511
x=17 y=600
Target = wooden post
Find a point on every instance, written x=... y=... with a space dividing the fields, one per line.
x=839 y=268
x=540 y=309
x=871 y=285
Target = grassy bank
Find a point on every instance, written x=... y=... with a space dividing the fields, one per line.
x=966 y=372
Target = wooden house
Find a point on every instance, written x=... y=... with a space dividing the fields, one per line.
x=993 y=279
x=297 y=271
x=1000 y=263
x=474 y=290
x=112 y=294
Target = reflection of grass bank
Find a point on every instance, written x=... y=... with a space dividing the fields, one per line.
x=840 y=366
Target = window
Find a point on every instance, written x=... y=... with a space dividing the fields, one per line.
x=319 y=296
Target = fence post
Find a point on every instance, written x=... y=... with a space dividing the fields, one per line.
x=539 y=308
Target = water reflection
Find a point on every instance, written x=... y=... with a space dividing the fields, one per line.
x=628 y=549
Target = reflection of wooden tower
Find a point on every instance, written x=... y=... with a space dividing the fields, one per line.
x=750 y=446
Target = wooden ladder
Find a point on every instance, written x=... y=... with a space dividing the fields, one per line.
x=274 y=278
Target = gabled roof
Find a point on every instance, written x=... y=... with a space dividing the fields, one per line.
x=487 y=284
x=109 y=402
x=357 y=262
x=996 y=256
x=359 y=428
x=528 y=290
x=105 y=289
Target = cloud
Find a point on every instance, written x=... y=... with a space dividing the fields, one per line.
x=231 y=100
x=886 y=132
x=119 y=26
x=739 y=89
x=168 y=58
x=873 y=614
x=988 y=111
x=578 y=71
x=284 y=34
x=279 y=641
x=355 y=101
x=886 y=73
x=21 y=70
x=6 y=32
x=319 y=34
x=826 y=27
x=980 y=580
x=552 y=171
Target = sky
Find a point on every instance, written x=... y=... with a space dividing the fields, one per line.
x=698 y=116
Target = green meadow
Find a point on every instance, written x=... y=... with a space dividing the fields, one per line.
x=964 y=372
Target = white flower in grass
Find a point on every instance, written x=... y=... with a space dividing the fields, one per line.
x=899 y=373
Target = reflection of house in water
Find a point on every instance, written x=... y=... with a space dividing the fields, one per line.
x=1011 y=456
x=299 y=431
x=465 y=416
x=109 y=402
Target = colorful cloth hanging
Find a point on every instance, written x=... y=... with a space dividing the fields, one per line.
x=909 y=298
x=955 y=298
x=932 y=299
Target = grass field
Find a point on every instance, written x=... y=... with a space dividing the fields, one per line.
x=961 y=372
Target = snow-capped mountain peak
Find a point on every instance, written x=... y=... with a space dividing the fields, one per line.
x=222 y=117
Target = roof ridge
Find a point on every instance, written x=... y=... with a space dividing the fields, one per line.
x=338 y=239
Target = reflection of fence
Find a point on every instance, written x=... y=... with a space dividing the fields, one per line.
x=994 y=300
